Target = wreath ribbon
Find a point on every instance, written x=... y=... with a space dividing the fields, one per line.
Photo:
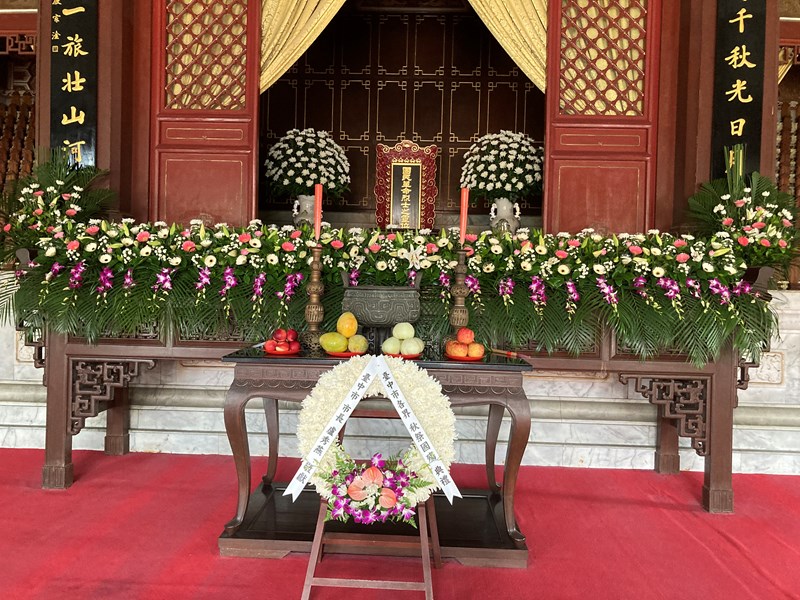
x=376 y=367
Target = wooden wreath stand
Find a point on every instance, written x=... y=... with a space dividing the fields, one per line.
x=426 y=516
x=427 y=520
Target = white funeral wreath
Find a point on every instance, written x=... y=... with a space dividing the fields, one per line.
x=422 y=392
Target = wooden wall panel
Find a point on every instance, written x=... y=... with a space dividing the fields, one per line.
x=602 y=110
x=433 y=78
x=205 y=110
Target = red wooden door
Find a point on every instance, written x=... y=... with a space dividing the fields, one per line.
x=602 y=89
x=205 y=110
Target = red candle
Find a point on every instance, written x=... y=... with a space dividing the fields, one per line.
x=462 y=223
x=317 y=210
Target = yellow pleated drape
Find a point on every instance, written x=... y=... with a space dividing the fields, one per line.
x=520 y=26
x=288 y=28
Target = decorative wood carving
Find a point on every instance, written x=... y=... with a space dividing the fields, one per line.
x=387 y=184
x=93 y=385
x=684 y=400
x=21 y=44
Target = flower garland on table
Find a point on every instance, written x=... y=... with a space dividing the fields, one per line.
x=386 y=490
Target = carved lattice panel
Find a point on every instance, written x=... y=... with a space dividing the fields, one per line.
x=381 y=77
x=603 y=57
x=206 y=54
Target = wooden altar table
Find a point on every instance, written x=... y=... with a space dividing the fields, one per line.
x=496 y=383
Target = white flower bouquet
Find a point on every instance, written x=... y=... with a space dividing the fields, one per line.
x=503 y=165
x=303 y=158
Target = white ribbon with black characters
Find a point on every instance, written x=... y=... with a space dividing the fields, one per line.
x=376 y=367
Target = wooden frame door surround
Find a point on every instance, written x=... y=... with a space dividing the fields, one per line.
x=204 y=129
x=602 y=107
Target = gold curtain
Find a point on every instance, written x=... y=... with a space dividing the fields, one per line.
x=521 y=28
x=288 y=28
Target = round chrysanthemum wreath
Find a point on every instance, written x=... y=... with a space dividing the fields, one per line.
x=384 y=490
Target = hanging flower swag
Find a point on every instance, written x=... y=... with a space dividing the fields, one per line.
x=385 y=489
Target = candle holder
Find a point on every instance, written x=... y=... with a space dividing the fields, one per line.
x=314 y=309
x=459 y=316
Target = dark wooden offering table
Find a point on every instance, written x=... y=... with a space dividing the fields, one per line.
x=478 y=529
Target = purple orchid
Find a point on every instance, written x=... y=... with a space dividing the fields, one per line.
x=106 y=280
x=715 y=286
x=229 y=280
x=76 y=275
x=163 y=281
x=537 y=289
x=128 y=282
x=608 y=291
x=203 y=279
x=258 y=286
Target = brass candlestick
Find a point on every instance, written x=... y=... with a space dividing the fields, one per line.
x=314 y=309
x=459 y=317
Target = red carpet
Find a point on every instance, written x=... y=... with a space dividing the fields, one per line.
x=146 y=526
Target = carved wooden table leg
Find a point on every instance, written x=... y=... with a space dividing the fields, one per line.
x=273 y=434
x=668 y=460
x=492 y=433
x=520 y=410
x=236 y=427
x=118 y=421
x=718 y=484
x=58 y=470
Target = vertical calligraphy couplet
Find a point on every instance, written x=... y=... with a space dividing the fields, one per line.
x=73 y=78
x=738 y=81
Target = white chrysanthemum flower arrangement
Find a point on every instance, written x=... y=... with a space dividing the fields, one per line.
x=303 y=158
x=503 y=165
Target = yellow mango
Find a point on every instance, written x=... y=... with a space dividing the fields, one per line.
x=347 y=325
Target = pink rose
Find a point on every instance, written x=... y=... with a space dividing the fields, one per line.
x=244 y=251
x=765 y=242
x=92 y=229
x=727 y=221
x=7 y=227
x=70 y=212
x=49 y=229
x=259 y=233
x=574 y=243
x=470 y=237
x=58 y=235
x=73 y=245
x=186 y=233
x=295 y=234
x=635 y=250
x=287 y=246
x=759 y=225
x=786 y=223
x=679 y=243
x=431 y=248
x=245 y=237
x=142 y=236
x=747 y=228
x=391 y=236
x=561 y=254
x=38 y=193
x=337 y=244
x=682 y=257
x=740 y=203
x=782 y=243
x=66 y=196
x=188 y=246
x=375 y=247
x=743 y=241
x=34 y=226
x=38 y=212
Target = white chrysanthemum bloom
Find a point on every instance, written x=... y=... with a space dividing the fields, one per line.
x=90 y=247
x=105 y=259
x=210 y=260
x=272 y=259
x=146 y=251
x=381 y=265
x=658 y=272
x=563 y=269
x=599 y=269
x=488 y=268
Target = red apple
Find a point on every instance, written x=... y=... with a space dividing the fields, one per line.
x=465 y=335
x=294 y=346
x=279 y=335
x=269 y=345
x=282 y=346
x=291 y=335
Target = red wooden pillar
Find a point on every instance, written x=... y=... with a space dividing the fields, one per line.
x=602 y=107
x=204 y=129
